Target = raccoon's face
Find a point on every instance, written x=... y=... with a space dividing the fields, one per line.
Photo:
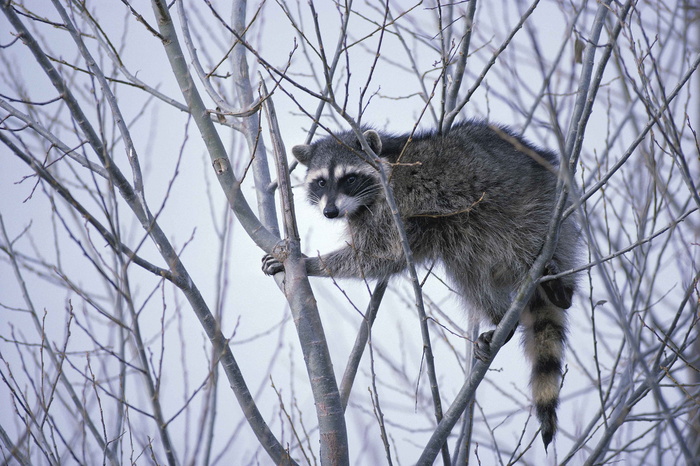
x=342 y=190
x=338 y=181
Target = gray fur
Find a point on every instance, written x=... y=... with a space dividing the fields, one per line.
x=479 y=199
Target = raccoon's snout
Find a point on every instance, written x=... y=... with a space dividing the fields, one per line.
x=331 y=211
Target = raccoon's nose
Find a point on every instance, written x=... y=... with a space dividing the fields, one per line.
x=331 y=211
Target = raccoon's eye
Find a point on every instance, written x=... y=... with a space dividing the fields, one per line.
x=321 y=182
x=351 y=179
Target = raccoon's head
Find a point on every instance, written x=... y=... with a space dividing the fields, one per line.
x=338 y=180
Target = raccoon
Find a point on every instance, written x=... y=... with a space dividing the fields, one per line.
x=478 y=199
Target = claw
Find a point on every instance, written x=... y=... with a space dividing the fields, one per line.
x=559 y=294
x=482 y=348
x=270 y=265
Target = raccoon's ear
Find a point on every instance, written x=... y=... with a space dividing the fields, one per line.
x=374 y=141
x=302 y=153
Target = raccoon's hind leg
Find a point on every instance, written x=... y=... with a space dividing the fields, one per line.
x=544 y=338
x=558 y=290
x=482 y=347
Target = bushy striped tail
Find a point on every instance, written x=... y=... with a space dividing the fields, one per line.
x=544 y=339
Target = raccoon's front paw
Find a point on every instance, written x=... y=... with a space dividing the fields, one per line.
x=482 y=347
x=270 y=265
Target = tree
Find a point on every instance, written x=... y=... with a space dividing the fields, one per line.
x=134 y=305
